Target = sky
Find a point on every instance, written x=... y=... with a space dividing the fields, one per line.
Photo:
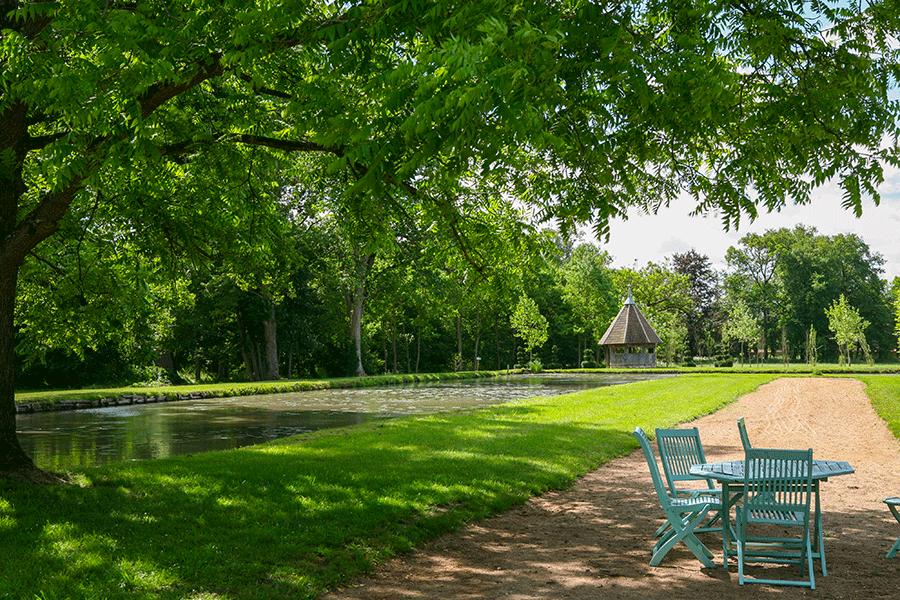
x=653 y=238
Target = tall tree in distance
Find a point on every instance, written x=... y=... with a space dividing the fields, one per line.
x=589 y=290
x=529 y=324
x=741 y=326
x=704 y=292
x=848 y=328
x=754 y=278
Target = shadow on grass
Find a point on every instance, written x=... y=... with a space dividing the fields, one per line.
x=287 y=519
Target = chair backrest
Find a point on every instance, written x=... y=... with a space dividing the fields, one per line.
x=777 y=480
x=679 y=450
x=658 y=485
x=745 y=439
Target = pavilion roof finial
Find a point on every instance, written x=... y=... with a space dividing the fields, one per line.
x=630 y=299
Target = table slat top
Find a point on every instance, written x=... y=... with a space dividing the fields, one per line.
x=733 y=471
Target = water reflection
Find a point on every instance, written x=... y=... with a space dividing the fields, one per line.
x=62 y=440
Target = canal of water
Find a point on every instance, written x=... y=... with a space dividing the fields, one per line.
x=61 y=440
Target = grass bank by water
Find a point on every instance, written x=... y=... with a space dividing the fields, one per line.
x=292 y=518
x=226 y=390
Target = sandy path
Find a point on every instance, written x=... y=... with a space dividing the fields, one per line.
x=594 y=540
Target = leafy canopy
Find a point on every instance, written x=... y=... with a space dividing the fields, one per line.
x=581 y=108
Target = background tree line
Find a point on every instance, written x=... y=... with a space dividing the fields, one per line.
x=313 y=292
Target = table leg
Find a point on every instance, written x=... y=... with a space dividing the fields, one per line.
x=726 y=521
x=819 y=538
x=730 y=495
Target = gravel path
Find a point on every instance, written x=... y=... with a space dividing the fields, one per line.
x=593 y=541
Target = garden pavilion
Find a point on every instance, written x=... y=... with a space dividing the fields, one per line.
x=630 y=340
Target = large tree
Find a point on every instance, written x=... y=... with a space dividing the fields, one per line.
x=587 y=287
x=704 y=291
x=789 y=277
x=580 y=108
x=754 y=280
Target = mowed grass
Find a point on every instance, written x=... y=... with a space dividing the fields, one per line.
x=293 y=518
x=884 y=390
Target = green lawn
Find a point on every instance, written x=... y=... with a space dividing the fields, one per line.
x=884 y=390
x=292 y=518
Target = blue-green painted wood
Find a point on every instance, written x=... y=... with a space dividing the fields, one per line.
x=684 y=515
x=893 y=504
x=777 y=490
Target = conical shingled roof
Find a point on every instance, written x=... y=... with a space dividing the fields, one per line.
x=630 y=327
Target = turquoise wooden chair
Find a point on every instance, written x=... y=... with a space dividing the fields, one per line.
x=893 y=503
x=742 y=430
x=818 y=534
x=679 y=449
x=682 y=514
x=777 y=492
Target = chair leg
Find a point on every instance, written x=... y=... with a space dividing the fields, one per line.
x=893 y=503
x=805 y=560
x=809 y=563
x=894 y=549
x=682 y=530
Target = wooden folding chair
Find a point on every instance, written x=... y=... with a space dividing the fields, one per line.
x=679 y=450
x=683 y=514
x=818 y=533
x=777 y=493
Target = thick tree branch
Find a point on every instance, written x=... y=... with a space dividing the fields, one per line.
x=266 y=90
x=188 y=146
x=42 y=141
x=162 y=92
x=288 y=145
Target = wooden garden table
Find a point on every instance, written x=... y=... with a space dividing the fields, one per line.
x=731 y=475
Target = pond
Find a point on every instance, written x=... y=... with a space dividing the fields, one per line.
x=61 y=440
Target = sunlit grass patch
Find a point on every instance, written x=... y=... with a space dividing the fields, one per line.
x=884 y=390
x=295 y=517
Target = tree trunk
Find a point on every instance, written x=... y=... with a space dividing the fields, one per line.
x=12 y=457
x=255 y=357
x=270 y=334
x=406 y=341
x=418 y=350
x=394 y=344
x=357 y=305
x=290 y=360
x=246 y=348
x=356 y=329
x=459 y=348
x=497 y=343
x=475 y=359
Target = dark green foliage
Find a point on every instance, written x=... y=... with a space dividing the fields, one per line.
x=59 y=370
x=789 y=277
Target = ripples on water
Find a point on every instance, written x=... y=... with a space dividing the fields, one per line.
x=61 y=440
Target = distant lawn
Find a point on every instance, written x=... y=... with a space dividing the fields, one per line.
x=884 y=390
x=228 y=389
x=245 y=388
x=293 y=518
